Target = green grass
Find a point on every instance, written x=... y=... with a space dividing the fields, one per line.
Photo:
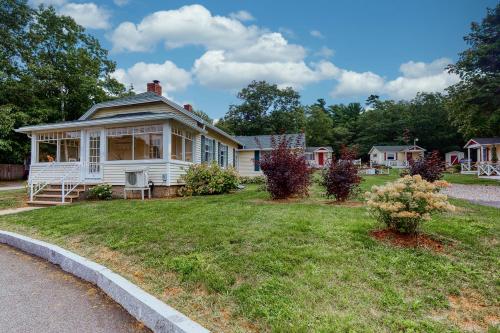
x=12 y=199
x=457 y=178
x=240 y=263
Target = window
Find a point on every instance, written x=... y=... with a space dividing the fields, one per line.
x=391 y=156
x=135 y=143
x=223 y=155
x=58 y=146
x=182 y=145
x=256 y=160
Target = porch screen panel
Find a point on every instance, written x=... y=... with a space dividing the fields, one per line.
x=135 y=143
x=58 y=146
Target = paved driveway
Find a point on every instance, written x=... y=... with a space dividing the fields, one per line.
x=36 y=296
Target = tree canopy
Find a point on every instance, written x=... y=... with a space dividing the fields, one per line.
x=51 y=70
x=474 y=102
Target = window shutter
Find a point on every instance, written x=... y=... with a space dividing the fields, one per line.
x=234 y=158
x=256 y=160
x=219 y=154
x=214 y=152
x=226 y=156
x=203 y=155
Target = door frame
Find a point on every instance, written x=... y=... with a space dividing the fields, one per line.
x=87 y=167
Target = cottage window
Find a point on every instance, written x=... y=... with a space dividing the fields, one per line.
x=182 y=145
x=135 y=143
x=223 y=152
x=391 y=156
x=58 y=146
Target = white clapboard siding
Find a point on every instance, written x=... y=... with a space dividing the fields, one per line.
x=246 y=166
x=177 y=169
x=54 y=172
x=115 y=173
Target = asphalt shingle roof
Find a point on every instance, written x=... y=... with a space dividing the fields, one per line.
x=487 y=141
x=265 y=141
x=312 y=149
x=392 y=148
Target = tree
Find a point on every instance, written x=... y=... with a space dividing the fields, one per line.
x=319 y=125
x=265 y=109
x=341 y=179
x=51 y=70
x=474 y=102
x=203 y=115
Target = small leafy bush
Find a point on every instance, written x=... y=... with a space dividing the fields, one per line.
x=286 y=169
x=406 y=203
x=341 y=179
x=430 y=168
x=202 y=179
x=253 y=180
x=101 y=192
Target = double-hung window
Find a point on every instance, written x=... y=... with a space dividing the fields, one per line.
x=223 y=155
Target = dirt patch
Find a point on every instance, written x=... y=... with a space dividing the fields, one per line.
x=409 y=241
x=471 y=313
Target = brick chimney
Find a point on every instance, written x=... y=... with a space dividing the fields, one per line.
x=155 y=87
x=188 y=107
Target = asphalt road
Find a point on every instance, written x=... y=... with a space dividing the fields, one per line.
x=36 y=296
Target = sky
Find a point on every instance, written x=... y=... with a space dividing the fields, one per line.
x=204 y=52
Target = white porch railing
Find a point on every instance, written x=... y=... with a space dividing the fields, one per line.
x=468 y=168
x=488 y=169
x=391 y=163
x=66 y=175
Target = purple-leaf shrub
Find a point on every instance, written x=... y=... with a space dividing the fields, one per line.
x=341 y=179
x=285 y=168
x=430 y=168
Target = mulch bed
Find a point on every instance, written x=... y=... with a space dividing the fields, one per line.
x=407 y=241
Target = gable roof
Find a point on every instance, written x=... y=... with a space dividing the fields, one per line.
x=143 y=98
x=483 y=141
x=258 y=142
x=313 y=149
x=394 y=149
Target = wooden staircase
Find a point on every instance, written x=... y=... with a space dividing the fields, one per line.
x=51 y=195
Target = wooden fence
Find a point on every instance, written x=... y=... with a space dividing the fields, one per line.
x=11 y=171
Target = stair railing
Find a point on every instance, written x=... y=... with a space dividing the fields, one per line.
x=69 y=182
x=36 y=186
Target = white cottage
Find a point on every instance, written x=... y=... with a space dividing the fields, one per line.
x=395 y=156
x=143 y=132
x=319 y=157
x=483 y=156
x=254 y=146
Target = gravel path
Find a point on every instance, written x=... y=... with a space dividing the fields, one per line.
x=480 y=194
x=36 y=296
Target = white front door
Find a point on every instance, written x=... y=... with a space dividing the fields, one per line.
x=93 y=167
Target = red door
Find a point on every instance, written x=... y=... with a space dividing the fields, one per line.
x=321 y=160
x=454 y=159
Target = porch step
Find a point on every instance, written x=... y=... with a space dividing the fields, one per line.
x=44 y=203
x=56 y=197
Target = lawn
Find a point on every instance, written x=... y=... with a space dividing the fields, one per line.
x=12 y=199
x=457 y=178
x=240 y=263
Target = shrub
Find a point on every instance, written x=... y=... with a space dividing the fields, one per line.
x=287 y=171
x=341 y=179
x=204 y=179
x=101 y=192
x=404 y=204
x=253 y=180
x=430 y=168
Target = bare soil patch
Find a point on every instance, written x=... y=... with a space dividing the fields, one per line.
x=407 y=241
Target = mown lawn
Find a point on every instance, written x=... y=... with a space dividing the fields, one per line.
x=457 y=178
x=239 y=262
x=12 y=199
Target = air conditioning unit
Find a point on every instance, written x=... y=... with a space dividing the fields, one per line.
x=137 y=178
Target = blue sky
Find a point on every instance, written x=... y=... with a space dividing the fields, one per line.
x=342 y=51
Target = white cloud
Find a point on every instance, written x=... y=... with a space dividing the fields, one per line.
x=242 y=15
x=416 y=77
x=188 y=25
x=88 y=14
x=120 y=2
x=172 y=78
x=54 y=3
x=316 y=34
x=214 y=69
x=353 y=83
x=325 y=52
